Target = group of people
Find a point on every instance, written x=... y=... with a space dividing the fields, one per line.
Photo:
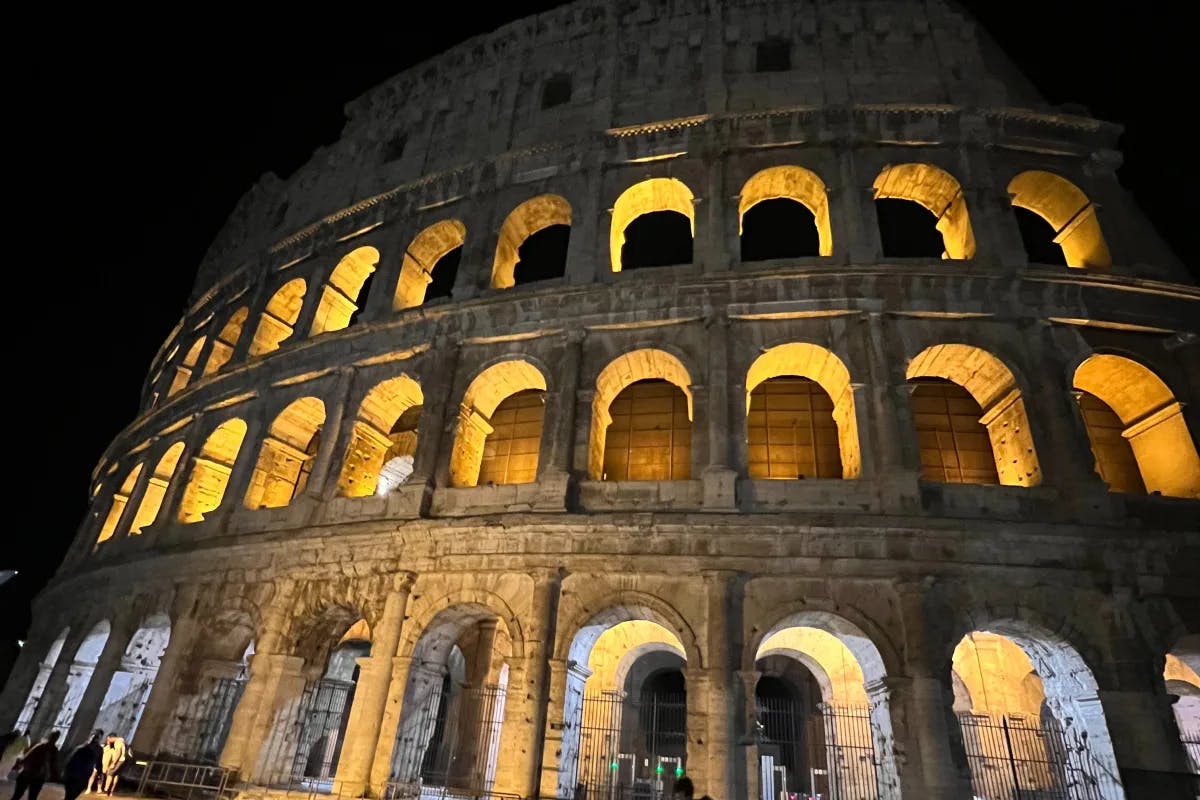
x=92 y=767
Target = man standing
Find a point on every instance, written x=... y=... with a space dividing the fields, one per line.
x=38 y=764
x=85 y=762
x=114 y=758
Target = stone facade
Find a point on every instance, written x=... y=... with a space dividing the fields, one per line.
x=244 y=506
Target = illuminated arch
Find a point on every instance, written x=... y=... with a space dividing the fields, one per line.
x=1153 y=422
x=120 y=499
x=1068 y=211
x=622 y=371
x=938 y=192
x=487 y=391
x=994 y=388
x=655 y=194
x=340 y=296
x=183 y=372
x=210 y=471
x=280 y=315
x=156 y=488
x=372 y=439
x=422 y=256
x=286 y=455
x=226 y=341
x=793 y=183
x=820 y=365
x=533 y=215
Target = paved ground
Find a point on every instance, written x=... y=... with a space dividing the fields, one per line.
x=54 y=791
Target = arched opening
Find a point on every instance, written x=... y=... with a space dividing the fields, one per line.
x=800 y=418
x=453 y=709
x=1130 y=414
x=183 y=371
x=499 y=426
x=39 y=682
x=1070 y=233
x=304 y=744
x=533 y=242
x=1183 y=683
x=650 y=426
x=783 y=212
x=223 y=346
x=116 y=508
x=210 y=471
x=822 y=717
x=661 y=240
x=79 y=675
x=156 y=489
x=971 y=390
x=1030 y=715
x=625 y=715
x=342 y=292
x=121 y=708
x=279 y=317
x=285 y=460
x=384 y=431
x=430 y=264
x=905 y=232
x=209 y=688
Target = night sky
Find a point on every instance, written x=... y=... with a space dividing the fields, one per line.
x=129 y=148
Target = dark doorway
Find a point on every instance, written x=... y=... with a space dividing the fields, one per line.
x=443 y=275
x=908 y=230
x=543 y=255
x=779 y=228
x=1038 y=237
x=657 y=239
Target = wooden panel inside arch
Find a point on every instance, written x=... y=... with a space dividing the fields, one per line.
x=655 y=194
x=643 y=364
x=794 y=183
x=818 y=364
x=1153 y=418
x=485 y=393
x=993 y=386
x=938 y=192
x=533 y=215
x=1068 y=211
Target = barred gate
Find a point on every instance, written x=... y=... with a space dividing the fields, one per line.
x=1016 y=758
x=630 y=749
x=842 y=756
x=324 y=711
x=207 y=734
x=782 y=730
x=1189 y=734
x=453 y=747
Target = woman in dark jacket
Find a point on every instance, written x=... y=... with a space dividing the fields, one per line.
x=82 y=765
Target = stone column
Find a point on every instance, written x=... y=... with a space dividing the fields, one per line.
x=855 y=224
x=558 y=430
x=563 y=720
x=314 y=290
x=361 y=741
x=168 y=512
x=332 y=450
x=719 y=479
x=93 y=697
x=439 y=414
x=524 y=732
x=381 y=763
x=25 y=671
x=257 y=698
x=1145 y=740
x=185 y=629
x=746 y=707
x=56 y=685
x=710 y=739
x=889 y=440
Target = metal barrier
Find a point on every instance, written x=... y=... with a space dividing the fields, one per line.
x=418 y=791
x=181 y=779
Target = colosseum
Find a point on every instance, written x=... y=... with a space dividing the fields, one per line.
x=780 y=394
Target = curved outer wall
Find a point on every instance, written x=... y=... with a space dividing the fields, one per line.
x=662 y=90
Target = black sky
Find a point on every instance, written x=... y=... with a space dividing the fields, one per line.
x=130 y=145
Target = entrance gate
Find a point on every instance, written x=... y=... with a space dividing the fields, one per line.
x=1012 y=756
x=630 y=749
x=324 y=712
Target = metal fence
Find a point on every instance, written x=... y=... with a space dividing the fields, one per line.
x=175 y=779
x=325 y=710
x=1189 y=734
x=630 y=749
x=1018 y=758
x=842 y=747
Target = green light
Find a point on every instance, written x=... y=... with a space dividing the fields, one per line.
x=613 y=765
x=658 y=769
x=678 y=771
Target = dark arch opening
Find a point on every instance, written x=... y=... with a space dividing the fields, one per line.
x=543 y=255
x=657 y=239
x=361 y=301
x=779 y=228
x=1038 y=237
x=908 y=230
x=443 y=275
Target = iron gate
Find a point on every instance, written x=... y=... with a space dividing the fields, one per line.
x=842 y=759
x=1189 y=734
x=781 y=730
x=207 y=736
x=630 y=749
x=1016 y=758
x=324 y=711
x=454 y=744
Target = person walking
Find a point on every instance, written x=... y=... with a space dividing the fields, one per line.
x=17 y=744
x=38 y=764
x=84 y=763
x=114 y=758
